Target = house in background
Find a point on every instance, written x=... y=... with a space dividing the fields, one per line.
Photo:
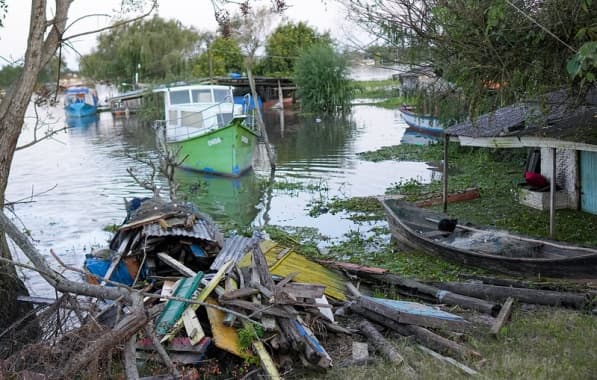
x=563 y=127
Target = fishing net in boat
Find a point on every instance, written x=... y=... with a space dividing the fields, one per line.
x=495 y=243
x=56 y=334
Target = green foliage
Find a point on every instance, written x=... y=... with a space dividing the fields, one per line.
x=286 y=44
x=226 y=57
x=321 y=75
x=155 y=48
x=249 y=334
x=8 y=74
x=583 y=65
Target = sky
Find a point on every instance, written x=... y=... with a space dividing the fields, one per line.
x=324 y=15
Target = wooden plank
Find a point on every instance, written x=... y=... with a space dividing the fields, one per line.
x=230 y=285
x=286 y=280
x=148 y=220
x=462 y=367
x=175 y=264
x=502 y=317
x=266 y=361
x=209 y=288
x=239 y=293
x=192 y=326
x=352 y=267
x=174 y=309
x=302 y=290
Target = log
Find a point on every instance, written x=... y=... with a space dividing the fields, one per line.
x=380 y=342
x=503 y=316
x=414 y=287
x=421 y=334
x=533 y=296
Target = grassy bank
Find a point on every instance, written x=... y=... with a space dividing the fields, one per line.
x=539 y=342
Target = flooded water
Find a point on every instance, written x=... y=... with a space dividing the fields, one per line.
x=79 y=178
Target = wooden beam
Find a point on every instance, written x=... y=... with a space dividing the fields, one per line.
x=552 y=195
x=462 y=367
x=380 y=342
x=502 y=317
x=445 y=172
x=175 y=264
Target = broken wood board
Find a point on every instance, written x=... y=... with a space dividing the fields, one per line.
x=462 y=367
x=174 y=309
x=413 y=313
x=302 y=290
x=308 y=271
x=205 y=292
x=224 y=337
x=148 y=220
x=175 y=264
x=502 y=317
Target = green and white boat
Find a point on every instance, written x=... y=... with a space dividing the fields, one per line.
x=209 y=132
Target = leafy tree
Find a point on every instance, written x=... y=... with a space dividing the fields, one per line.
x=495 y=51
x=225 y=55
x=156 y=48
x=285 y=45
x=321 y=76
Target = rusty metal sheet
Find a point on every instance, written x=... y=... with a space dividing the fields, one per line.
x=202 y=229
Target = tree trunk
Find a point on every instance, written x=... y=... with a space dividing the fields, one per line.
x=12 y=114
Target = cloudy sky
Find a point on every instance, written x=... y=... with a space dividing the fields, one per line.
x=324 y=15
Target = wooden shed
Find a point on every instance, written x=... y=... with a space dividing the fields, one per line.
x=563 y=127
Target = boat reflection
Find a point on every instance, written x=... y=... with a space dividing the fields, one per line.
x=227 y=200
x=82 y=122
x=413 y=137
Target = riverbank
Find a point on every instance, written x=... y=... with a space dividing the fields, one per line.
x=539 y=342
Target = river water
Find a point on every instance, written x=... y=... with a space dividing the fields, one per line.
x=68 y=188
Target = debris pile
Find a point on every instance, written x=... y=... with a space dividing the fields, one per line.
x=195 y=298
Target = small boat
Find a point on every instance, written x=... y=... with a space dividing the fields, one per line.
x=127 y=103
x=421 y=123
x=209 y=132
x=80 y=101
x=412 y=137
x=491 y=249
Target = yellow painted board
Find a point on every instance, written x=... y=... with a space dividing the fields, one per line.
x=224 y=337
x=308 y=271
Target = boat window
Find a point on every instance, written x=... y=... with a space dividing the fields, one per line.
x=222 y=96
x=179 y=97
x=202 y=96
x=172 y=117
x=192 y=119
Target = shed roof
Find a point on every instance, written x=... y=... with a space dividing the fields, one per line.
x=557 y=119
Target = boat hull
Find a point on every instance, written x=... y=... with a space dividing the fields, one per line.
x=227 y=151
x=80 y=110
x=421 y=123
x=567 y=261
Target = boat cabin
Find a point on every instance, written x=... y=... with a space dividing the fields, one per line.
x=74 y=95
x=194 y=109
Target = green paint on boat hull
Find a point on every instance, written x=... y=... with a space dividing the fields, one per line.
x=226 y=151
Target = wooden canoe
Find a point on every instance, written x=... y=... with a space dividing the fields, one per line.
x=491 y=249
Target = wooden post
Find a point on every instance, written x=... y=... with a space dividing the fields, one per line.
x=280 y=95
x=445 y=172
x=270 y=154
x=552 y=195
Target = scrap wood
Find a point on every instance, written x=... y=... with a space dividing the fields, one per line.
x=421 y=334
x=224 y=337
x=314 y=351
x=238 y=293
x=380 y=342
x=147 y=220
x=205 y=292
x=175 y=264
x=301 y=290
x=174 y=309
x=352 y=267
x=273 y=310
x=409 y=312
x=503 y=316
x=415 y=288
x=266 y=361
x=230 y=285
x=533 y=296
x=462 y=367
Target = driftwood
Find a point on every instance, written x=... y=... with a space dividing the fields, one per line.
x=534 y=296
x=414 y=288
x=380 y=342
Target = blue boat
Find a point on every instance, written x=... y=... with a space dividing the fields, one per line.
x=80 y=102
x=421 y=123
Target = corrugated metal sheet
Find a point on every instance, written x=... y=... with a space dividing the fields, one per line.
x=234 y=249
x=202 y=229
x=588 y=181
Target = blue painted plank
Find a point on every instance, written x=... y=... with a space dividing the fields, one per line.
x=415 y=308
